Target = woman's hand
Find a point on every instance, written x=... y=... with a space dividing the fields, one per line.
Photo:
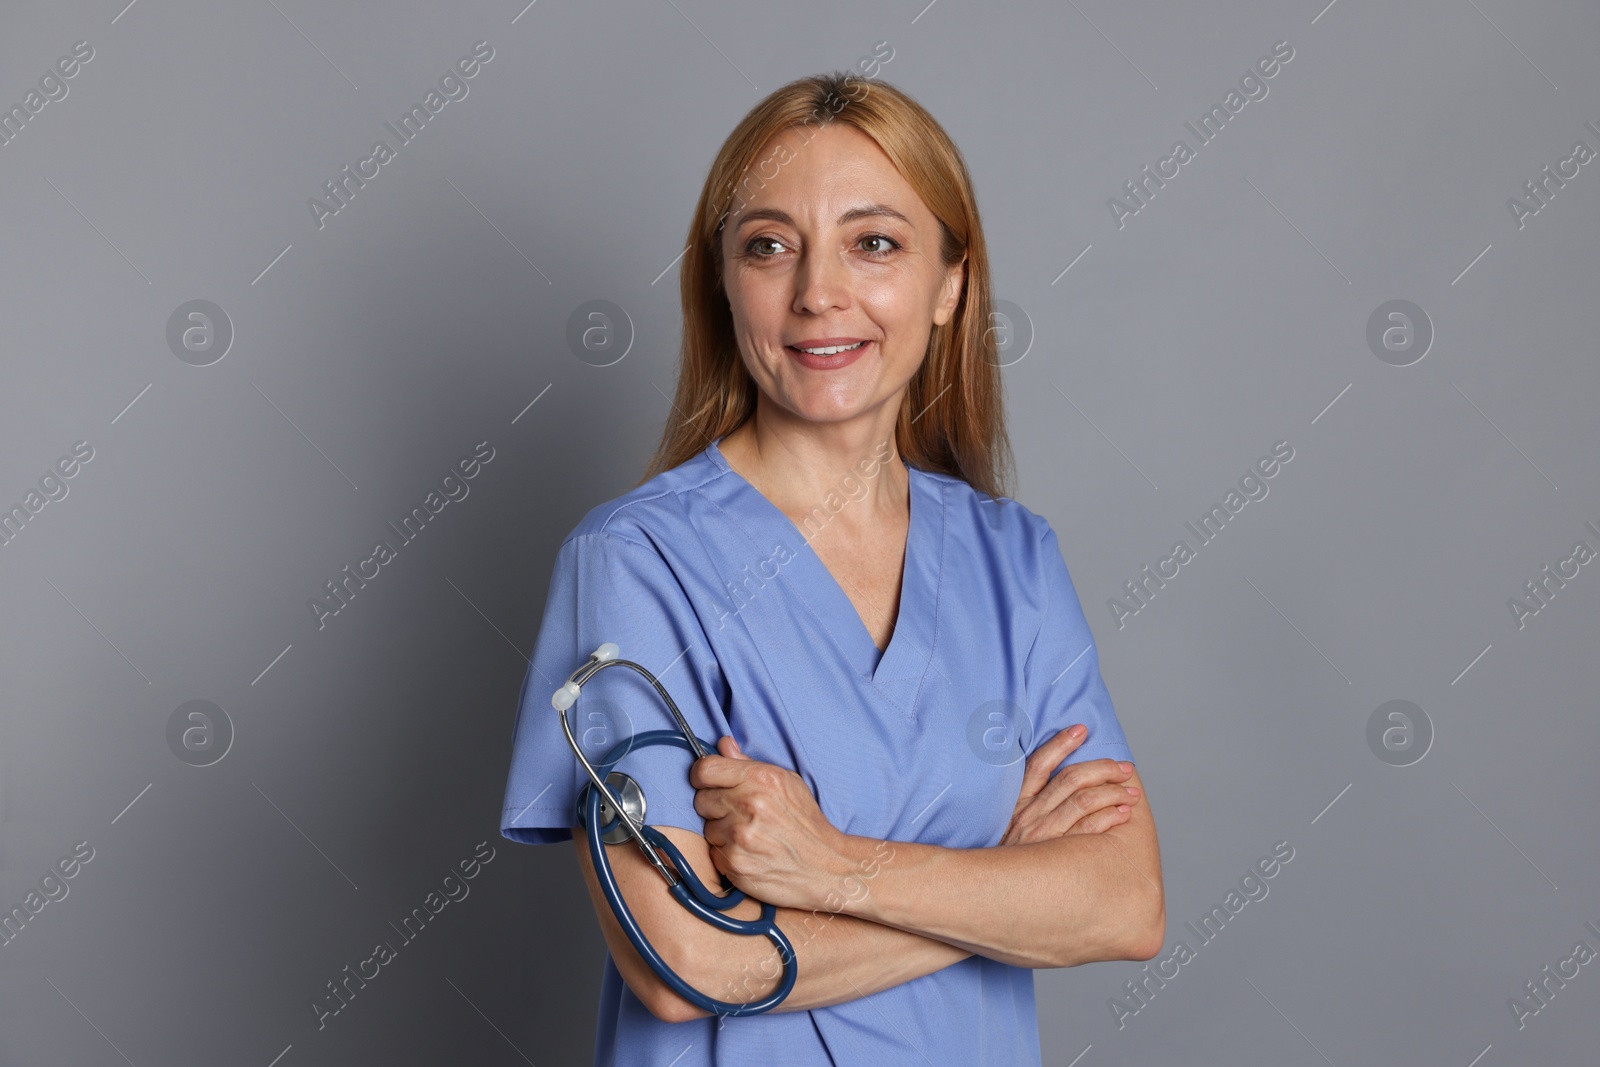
x=766 y=832
x=1084 y=798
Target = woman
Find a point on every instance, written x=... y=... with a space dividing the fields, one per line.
x=890 y=657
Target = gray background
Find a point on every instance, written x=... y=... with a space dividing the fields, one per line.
x=1230 y=313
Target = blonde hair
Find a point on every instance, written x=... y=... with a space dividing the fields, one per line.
x=952 y=418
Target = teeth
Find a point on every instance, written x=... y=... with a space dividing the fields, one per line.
x=834 y=350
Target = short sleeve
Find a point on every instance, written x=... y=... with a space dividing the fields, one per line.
x=605 y=587
x=1063 y=670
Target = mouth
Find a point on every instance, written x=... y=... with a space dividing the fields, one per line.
x=829 y=353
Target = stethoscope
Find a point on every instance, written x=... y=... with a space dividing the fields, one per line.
x=613 y=819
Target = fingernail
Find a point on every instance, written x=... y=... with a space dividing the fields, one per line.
x=1127 y=768
x=1078 y=730
x=1131 y=790
x=1123 y=807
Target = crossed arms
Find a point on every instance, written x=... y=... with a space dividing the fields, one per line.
x=1076 y=878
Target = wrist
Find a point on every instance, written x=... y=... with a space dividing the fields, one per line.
x=857 y=861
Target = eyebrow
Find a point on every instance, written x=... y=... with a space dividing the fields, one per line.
x=864 y=212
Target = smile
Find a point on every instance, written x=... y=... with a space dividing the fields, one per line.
x=828 y=357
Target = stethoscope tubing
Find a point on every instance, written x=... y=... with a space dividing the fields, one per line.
x=685 y=886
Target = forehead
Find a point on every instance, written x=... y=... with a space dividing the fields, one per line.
x=817 y=180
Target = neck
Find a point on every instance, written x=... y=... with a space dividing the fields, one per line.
x=796 y=463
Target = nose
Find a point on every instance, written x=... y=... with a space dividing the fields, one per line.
x=821 y=282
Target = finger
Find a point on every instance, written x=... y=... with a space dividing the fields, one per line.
x=1082 y=775
x=714 y=771
x=1070 y=779
x=729 y=747
x=1101 y=821
x=1083 y=803
x=1049 y=755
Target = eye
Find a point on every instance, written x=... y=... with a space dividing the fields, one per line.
x=751 y=247
x=895 y=245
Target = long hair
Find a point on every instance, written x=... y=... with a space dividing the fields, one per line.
x=952 y=417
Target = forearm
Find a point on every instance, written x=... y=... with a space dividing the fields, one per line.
x=838 y=957
x=1053 y=903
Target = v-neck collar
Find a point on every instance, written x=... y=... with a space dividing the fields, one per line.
x=911 y=644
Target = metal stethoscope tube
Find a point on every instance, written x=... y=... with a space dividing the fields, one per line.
x=684 y=885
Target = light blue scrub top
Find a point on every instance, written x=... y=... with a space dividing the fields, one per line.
x=700 y=578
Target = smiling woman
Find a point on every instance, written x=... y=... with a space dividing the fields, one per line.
x=836 y=320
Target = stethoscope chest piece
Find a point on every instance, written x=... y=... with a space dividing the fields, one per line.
x=611 y=810
x=625 y=789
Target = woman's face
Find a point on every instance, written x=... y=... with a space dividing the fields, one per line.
x=834 y=250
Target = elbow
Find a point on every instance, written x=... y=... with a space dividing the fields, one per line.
x=668 y=1007
x=1147 y=929
x=1148 y=945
